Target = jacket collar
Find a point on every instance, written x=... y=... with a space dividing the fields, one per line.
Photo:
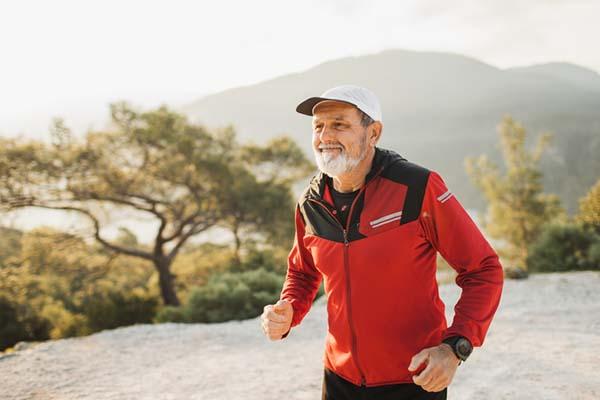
x=383 y=159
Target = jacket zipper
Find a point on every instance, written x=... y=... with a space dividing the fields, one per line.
x=349 y=305
x=348 y=290
x=363 y=380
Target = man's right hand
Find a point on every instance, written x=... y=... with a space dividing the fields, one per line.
x=276 y=319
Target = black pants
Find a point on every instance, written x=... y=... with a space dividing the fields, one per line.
x=337 y=388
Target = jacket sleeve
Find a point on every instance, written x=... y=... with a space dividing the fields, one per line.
x=452 y=232
x=302 y=279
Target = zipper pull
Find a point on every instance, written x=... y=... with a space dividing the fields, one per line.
x=345 y=238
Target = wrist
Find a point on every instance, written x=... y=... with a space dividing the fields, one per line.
x=450 y=350
x=460 y=345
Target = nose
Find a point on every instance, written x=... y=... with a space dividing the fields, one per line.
x=326 y=134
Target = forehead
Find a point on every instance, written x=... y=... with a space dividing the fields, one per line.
x=335 y=110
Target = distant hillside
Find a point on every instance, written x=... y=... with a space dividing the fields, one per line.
x=438 y=108
x=585 y=78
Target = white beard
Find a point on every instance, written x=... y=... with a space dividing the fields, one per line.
x=337 y=164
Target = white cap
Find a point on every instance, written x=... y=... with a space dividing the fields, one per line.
x=361 y=97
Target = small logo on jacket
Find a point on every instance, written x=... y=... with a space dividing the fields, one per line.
x=442 y=198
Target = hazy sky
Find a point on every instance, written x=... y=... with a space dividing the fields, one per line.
x=71 y=58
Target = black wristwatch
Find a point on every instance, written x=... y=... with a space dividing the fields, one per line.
x=461 y=346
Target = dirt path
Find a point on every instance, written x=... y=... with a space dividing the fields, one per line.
x=544 y=344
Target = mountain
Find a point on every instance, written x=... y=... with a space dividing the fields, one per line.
x=585 y=78
x=438 y=108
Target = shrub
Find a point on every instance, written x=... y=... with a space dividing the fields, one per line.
x=516 y=273
x=11 y=329
x=231 y=295
x=564 y=248
x=170 y=314
x=108 y=310
x=239 y=293
x=64 y=323
x=594 y=255
x=20 y=323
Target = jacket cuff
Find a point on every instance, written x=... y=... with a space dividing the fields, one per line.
x=450 y=339
x=461 y=331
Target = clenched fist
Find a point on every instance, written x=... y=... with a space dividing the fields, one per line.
x=441 y=366
x=276 y=319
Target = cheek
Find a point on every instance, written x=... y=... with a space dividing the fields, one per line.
x=315 y=140
x=351 y=145
x=359 y=141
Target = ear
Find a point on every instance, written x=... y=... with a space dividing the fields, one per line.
x=375 y=132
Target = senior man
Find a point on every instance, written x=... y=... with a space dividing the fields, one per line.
x=369 y=225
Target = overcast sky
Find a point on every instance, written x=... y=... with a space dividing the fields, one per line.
x=72 y=58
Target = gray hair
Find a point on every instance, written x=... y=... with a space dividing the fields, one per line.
x=365 y=120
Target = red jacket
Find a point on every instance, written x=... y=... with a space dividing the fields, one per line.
x=379 y=270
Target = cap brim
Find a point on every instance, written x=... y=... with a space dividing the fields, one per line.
x=306 y=107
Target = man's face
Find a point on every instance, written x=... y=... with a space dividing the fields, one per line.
x=339 y=140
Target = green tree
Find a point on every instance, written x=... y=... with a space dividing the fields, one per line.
x=589 y=208
x=517 y=206
x=153 y=163
x=255 y=197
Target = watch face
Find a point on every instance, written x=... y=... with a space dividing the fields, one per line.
x=464 y=348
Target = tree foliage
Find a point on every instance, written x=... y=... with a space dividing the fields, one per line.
x=54 y=285
x=157 y=164
x=517 y=206
x=589 y=208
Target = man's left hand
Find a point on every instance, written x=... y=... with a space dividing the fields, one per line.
x=441 y=366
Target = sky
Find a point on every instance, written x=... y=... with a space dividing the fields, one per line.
x=72 y=58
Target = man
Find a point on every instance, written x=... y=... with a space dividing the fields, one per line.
x=370 y=225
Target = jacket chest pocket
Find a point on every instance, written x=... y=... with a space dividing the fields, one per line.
x=373 y=225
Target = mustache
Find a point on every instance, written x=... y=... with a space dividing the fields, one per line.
x=330 y=146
